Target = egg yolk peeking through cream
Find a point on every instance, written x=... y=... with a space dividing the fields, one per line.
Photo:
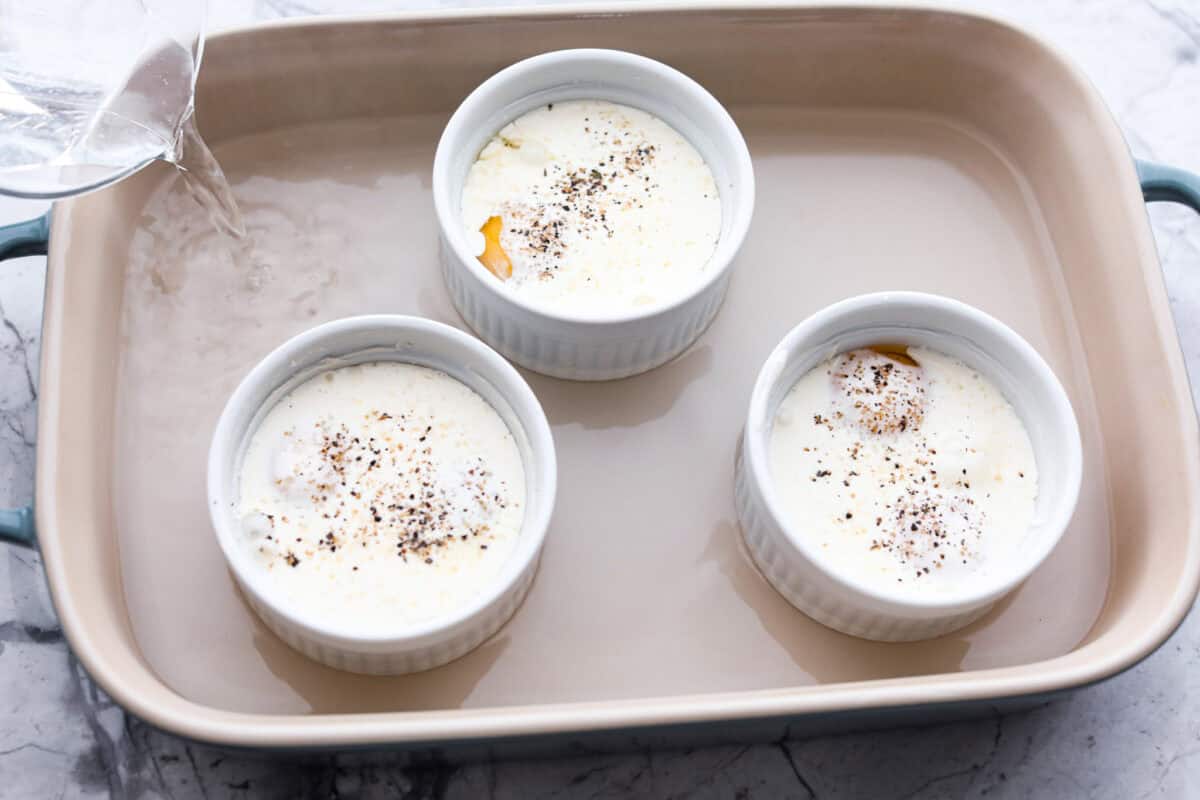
x=881 y=388
x=896 y=352
x=494 y=257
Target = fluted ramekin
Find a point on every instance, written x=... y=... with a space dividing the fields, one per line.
x=589 y=346
x=386 y=338
x=788 y=559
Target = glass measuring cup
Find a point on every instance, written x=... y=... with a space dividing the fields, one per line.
x=91 y=91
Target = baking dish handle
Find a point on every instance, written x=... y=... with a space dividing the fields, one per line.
x=29 y=238
x=1161 y=183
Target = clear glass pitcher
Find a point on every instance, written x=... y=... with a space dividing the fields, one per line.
x=91 y=91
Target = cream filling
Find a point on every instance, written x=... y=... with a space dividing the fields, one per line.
x=603 y=207
x=921 y=479
x=380 y=495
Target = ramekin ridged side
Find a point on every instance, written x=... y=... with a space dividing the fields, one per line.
x=595 y=346
x=547 y=346
x=353 y=657
x=796 y=569
x=809 y=588
x=410 y=340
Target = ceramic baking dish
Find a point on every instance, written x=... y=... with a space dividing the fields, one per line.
x=896 y=149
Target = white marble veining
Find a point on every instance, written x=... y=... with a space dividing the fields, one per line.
x=1137 y=735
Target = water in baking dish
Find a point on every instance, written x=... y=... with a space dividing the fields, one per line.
x=644 y=589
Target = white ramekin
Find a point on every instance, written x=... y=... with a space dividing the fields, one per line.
x=789 y=561
x=386 y=338
x=598 y=346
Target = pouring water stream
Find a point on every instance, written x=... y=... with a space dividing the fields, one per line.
x=77 y=112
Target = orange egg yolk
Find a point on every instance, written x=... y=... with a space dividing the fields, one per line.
x=494 y=257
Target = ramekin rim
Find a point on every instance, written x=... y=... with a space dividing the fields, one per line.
x=534 y=524
x=1001 y=582
x=723 y=256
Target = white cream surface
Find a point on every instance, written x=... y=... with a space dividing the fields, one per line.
x=605 y=208
x=919 y=480
x=379 y=496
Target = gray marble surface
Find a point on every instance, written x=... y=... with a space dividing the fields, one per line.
x=1137 y=735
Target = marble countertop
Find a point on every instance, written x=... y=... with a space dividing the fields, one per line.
x=1137 y=735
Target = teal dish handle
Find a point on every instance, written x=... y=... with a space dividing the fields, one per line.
x=30 y=238
x=1163 y=184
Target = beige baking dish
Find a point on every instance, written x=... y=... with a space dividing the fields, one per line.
x=897 y=149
